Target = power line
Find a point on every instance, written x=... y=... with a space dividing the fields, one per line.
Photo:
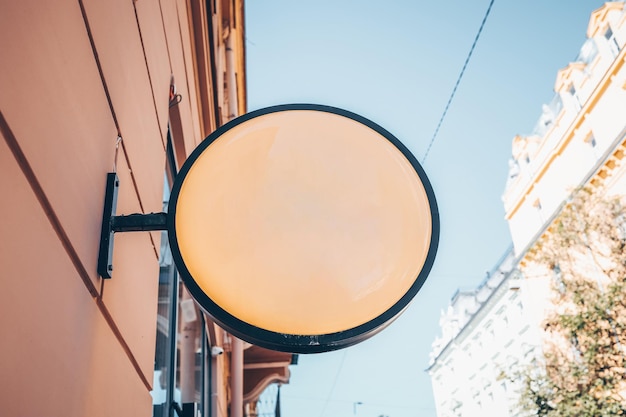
x=332 y=389
x=458 y=81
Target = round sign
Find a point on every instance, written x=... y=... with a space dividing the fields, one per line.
x=302 y=228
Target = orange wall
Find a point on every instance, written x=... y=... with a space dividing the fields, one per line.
x=74 y=75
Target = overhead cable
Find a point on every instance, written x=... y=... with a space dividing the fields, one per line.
x=458 y=81
x=332 y=388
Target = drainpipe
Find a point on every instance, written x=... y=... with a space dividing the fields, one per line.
x=231 y=76
x=214 y=382
x=236 y=405
x=188 y=354
x=187 y=363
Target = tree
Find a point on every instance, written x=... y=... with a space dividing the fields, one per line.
x=582 y=372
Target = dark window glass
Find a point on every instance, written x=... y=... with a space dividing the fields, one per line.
x=164 y=359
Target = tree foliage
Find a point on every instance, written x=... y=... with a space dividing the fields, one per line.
x=583 y=365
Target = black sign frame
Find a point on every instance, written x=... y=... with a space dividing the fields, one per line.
x=299 y=343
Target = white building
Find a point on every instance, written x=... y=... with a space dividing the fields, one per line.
x=579 y=139
x=580 y=134
x=485 y=332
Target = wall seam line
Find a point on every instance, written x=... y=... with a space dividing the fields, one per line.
x=120 y=338
x=145 y=58
x=108 y=96
x=45 y=204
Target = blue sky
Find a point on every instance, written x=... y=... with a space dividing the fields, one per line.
x=396 y=63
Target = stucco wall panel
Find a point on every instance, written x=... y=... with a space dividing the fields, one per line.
x=53 y=100
x=59 y=356
x=116 y=37
x=177 y=59
x=155 y=48
x=184 y=18
x=132 y=292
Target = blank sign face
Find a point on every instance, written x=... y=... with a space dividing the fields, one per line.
x=302 y=228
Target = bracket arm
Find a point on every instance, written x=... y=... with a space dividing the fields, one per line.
x=113 y=224
x=139 y=222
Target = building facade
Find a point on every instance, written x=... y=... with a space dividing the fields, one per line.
x=89 y=88
x=485 y=332
x=579 y=137
x=579 y=140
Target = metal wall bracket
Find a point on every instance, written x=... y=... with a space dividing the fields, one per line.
x=112 y=224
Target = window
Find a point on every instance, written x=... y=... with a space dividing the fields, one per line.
x=577 y=103
x=592 y=141
x=450 y=366
x=163 y=388
x=489 y=331
x=529 y=350
x=468 y=351
x=612 y=41
x=476 y=399
x=180 y=364
x=557 y=279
